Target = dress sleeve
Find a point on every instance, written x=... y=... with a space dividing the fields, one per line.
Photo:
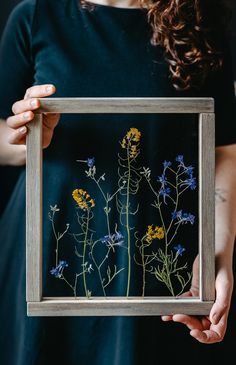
x=16 y=64
x=221 y=88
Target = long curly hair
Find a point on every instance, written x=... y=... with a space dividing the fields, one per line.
x=190 y=32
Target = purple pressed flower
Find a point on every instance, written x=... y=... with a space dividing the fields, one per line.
x=56 y=271
x=190 y=183
x=90 y=162
x=179 y=249
x=180 y=158
x=115 y=239
x=166 y=164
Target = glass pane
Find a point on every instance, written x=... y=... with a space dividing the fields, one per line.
x=121 y=206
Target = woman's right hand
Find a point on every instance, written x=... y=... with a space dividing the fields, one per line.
x=24 y=113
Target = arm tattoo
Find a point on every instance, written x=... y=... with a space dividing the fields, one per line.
x=220 y=195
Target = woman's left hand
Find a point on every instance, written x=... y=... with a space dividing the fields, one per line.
x=212 y=328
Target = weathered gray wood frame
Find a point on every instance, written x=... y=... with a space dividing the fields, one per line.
x=40 y=306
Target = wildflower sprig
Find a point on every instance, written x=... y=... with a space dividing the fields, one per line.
x=58 y=270
x=109 y=243
x=128 y=183
x=86 y=204
x=147 y=252
x=174 y=180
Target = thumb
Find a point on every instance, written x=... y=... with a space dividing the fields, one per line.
x=222 y=303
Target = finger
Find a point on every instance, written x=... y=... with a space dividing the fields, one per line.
x=215 y=334
x=17 y=136
x=190 y=321
x=40 y=91
x=222 y=303
x=166 y=318
x=23 y=106
x=19 y=120
x=206 y=336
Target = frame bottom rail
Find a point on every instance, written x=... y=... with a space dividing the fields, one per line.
x=117 y=307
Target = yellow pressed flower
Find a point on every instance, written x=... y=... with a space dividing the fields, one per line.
x=124 y=143
x=83 y=200
x=154 y=233
x=134 y=151
x=132 y=137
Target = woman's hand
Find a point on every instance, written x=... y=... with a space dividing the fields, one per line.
x=210 y=329
x=24 y=113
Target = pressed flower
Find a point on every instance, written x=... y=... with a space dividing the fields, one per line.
x=154 y=233
x=166 y=164
x=162 y=179
x=115 y=239
x=179 y=249
x=132 y=138
x=189 y=171
x=183 y=217
x=133 y=135
x=57 y=271
x=190 y=183
x=133 y=151
x=83 y=199
x=90 y=162
x=164 y=192
x=179 y=158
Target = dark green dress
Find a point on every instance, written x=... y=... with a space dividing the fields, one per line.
x=99 y=53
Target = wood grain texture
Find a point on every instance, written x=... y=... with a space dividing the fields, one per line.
x=117 y=307
x=34 y=211
x=207 y=205
x=126 y=105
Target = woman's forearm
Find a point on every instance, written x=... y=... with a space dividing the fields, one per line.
x=12 y=155
x=225 y=201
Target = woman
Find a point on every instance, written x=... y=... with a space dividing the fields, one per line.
x=103 y=48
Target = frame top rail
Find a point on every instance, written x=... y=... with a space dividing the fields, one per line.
x=126 y=105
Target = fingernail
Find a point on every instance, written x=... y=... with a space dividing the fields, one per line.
x=33 y=103
x=23 y=130
x=49 y=88
x=26 y=115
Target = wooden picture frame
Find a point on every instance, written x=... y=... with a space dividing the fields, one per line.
x=121 y=306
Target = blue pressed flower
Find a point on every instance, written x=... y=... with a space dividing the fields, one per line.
x=188 y=217
x=63 y=264
x=90 y=162
x=162 y=179
x=115 y=239
x=179 y=249
x=180 y=158
x=165 y=193
x=56 y=271
x=176 y=214
x=191 y=183
x=183 y=217
x=166 y=164
x=189 y=171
